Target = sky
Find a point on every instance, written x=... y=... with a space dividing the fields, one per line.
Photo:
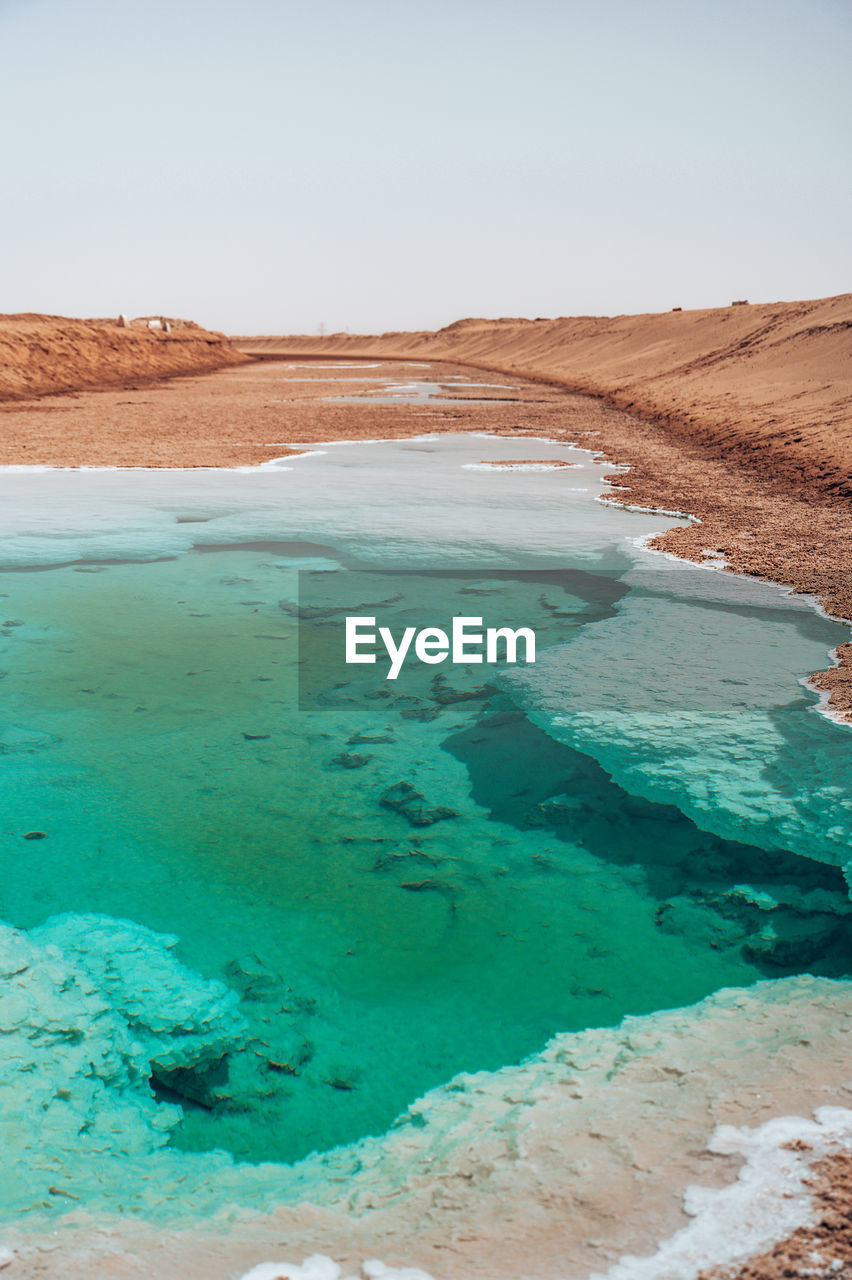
x=284 y=166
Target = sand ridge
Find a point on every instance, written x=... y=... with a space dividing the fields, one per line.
x=42 y=355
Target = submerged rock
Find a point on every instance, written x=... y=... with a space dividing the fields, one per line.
x=692 y=918
x=290 y=1053
x=790 y=896
x=200 y=1083
x=791 y=942
x=315 y=613
x=254 y=979
x=403 y=798
x=445 y=695
x=430 y=884
x=780 y=925
x=557 y=811
x=399 y=857
x=351 y=760
x=500 y=719
x=424 y=714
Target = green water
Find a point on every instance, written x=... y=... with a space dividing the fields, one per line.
x=190 y=749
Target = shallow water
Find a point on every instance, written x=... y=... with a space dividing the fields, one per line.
x=619 y=840
x=425 y=391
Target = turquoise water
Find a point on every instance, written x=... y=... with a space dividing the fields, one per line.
x=200 y=763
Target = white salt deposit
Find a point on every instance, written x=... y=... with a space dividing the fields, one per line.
x=319 y=1267
x=582 y=1124
x=684 y=697
x=396 y=502
x=522 y=466
x=768 y=1201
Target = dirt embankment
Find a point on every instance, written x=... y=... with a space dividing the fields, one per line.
x=768 y=386
x=42 y=355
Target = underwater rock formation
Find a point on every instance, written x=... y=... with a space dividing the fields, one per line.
x=89 y=1008
x=351 y=760
x=403 y=798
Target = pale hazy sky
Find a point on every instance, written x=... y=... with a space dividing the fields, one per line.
x=271 y=165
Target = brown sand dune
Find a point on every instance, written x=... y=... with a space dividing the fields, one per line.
x=41 y=355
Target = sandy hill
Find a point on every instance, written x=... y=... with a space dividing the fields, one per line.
x=40 y=354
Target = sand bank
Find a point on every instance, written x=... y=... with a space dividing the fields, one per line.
x=766 y=384
x=249 y=414
x=42 y=355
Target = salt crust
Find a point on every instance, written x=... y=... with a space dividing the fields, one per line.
x=767 y=1203
x=521 y=466
x=575 y=1155
x=87 y=1004
x=318 y=1267
x=613 y=694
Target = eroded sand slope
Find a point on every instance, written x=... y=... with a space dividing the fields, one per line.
x=767 y=385
x=40 y=355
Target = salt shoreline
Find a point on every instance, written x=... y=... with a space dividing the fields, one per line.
x=553 y=1169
